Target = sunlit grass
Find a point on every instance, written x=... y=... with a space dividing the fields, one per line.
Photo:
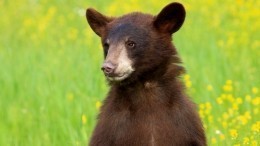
x=51 y=86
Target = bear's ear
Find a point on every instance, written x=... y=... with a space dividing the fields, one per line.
x=97 y=21
x=170 y=19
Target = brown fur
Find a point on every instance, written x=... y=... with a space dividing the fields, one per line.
x=150 y=107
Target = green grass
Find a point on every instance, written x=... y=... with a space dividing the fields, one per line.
x=51 y=83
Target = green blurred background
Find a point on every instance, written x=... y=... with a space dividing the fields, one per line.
x=51 y=86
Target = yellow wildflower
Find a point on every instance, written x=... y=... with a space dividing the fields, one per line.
x=254 y=143
x=230 y=111
x=239 y=100
x=42 y=26
x=210 y=119
x=222 y=136
x=256 y=127
x=246 y=140
x=223 y=96
x=43 y=23
x=219 y=100
x=233 y=133
x=51 y=11
x=248 y=98
x=213 y=140
x=72 y=34
x=202 y=106
x=247 y=115
x=225 y=116
x=70 y=96
x=188 y=84
x=243 y=119
x=227 y=88
x=230 y=98
x=256 y=111
x=239 y=2
x=84 y=119
x=98 y=104
x=229 y=82
x=234 y=106
x=209 y=88
x=28 y=22
x=207 y=108
x=255 y=90
x=224 y=124
x=186 y=77
x=201 y=113
x=256 y=101
x=208 y=105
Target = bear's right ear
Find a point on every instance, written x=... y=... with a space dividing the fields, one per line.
x=170 y=19
x=97 y=21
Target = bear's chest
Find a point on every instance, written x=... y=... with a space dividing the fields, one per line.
x=145 y=126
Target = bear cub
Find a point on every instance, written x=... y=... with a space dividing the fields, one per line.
x=146 y=104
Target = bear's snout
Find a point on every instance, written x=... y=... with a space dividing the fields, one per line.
x=108 y=68
x=117 y=65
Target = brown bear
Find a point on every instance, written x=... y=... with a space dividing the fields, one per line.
x=146 y=104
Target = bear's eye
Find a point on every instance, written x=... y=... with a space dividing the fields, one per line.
x=106 y=47
x=130 y=44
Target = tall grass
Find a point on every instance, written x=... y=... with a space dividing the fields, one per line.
x=51 y=85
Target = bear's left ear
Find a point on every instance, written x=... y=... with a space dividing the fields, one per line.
x=170 y=19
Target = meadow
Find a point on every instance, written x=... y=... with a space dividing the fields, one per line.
x=51 y=85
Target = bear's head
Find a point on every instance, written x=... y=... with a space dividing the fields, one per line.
x=136 y=45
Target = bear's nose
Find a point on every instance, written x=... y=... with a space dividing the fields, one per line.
x=108 y=68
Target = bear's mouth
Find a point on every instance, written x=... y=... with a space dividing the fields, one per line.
x=118 y=77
